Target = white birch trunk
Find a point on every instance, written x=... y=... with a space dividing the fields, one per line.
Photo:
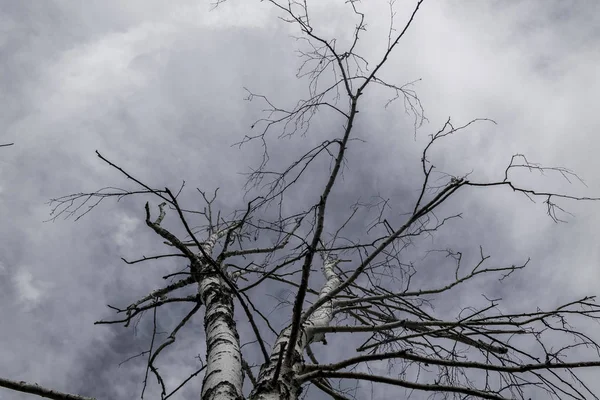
x=223 y=378
x=277 y=383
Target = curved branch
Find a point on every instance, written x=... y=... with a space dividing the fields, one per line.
x=403 y=383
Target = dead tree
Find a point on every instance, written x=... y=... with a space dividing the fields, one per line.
x=343 y=286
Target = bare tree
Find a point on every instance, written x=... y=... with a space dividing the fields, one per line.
x=343 y=285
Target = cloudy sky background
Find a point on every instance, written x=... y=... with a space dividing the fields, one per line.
x=158 y=89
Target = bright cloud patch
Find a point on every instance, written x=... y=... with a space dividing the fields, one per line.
x=30 y=290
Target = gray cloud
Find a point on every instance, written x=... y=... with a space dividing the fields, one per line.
x=158 y=89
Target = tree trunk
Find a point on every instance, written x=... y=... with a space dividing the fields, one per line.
x=277 y=381
x=223 y=378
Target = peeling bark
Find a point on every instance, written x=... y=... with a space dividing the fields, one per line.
x=223 y=378
x=276 y=381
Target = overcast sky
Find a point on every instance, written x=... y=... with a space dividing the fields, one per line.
x=157 y=87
